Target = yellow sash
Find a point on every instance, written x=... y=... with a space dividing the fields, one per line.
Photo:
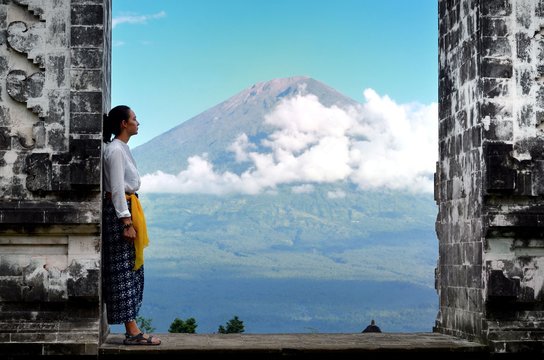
x=138 y=220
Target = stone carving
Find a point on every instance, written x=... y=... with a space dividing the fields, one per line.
x=21 y=87
x=28 y=40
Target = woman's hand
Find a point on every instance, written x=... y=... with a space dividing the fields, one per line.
x=129 y=233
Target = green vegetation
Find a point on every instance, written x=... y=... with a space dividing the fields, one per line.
x=233 y=326
x=183 y=326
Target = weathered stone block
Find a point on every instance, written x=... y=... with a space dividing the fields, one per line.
x=85 y=148
x=496 y=46
x=500 y=175
x=39 y=170
x=499 y=286
x=87 y=36
x=86 y=58
x=86 y=172
x=86 y=102
x=86 y=124
x=62 y=158
x=87 y=14
x=22 y=216
x=494 y=27
x=86 y=80
x=496 y=8
x=496 y=68
x=495 y=109
x=492 y=87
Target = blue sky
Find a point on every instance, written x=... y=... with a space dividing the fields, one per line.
x=173 y=59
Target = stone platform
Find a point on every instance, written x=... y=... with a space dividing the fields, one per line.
x=298 y=346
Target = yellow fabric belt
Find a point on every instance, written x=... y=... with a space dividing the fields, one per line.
x=138 y=221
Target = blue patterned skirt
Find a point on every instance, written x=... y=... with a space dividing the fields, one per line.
x=122 y=287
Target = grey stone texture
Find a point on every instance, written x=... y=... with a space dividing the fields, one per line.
x=368 y=346
x=54 y=87
x=489 y=179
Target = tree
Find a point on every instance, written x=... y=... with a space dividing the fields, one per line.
x=183 y=326
x=233 y=326
x=144 y=324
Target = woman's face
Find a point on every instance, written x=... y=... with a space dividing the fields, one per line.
x=132 y=124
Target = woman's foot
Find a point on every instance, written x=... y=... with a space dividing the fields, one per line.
x=141 y=339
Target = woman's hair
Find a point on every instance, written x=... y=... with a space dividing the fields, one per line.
x=112 y=121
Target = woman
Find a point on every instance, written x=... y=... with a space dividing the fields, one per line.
x=124 y=229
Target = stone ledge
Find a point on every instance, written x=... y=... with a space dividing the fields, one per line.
x=299 y=346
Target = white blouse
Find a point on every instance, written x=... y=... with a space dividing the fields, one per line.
x=120 y=175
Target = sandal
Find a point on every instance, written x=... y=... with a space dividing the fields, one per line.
x=139 y=339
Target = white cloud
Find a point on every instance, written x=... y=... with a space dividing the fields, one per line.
x=380 y=144
x=135 y=19
x=240 y=148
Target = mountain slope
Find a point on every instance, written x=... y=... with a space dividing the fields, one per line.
x=215 y=129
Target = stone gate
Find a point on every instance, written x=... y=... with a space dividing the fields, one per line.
x=54 y=88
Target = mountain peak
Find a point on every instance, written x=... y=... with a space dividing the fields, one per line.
x=279 y=83
x=266 y=94
x=272 y=89
x=213 y=131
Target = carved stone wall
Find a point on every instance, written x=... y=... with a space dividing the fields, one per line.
x=54 y=88
x=490 y=175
